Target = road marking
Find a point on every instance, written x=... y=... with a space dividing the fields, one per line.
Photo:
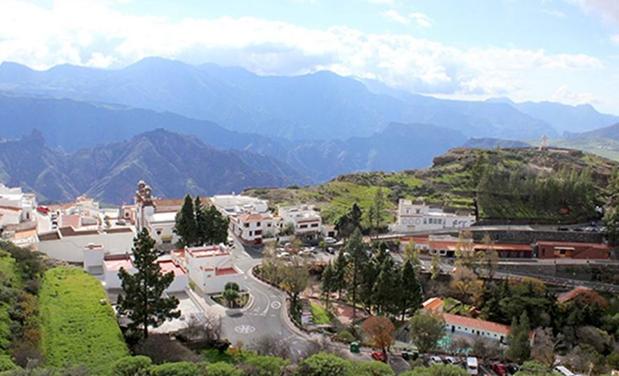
x=244 y=329
x=276 y=305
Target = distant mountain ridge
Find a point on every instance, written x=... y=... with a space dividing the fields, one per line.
x=315 y=106
x=174 y=164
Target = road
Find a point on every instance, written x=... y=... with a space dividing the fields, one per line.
x=266 y=315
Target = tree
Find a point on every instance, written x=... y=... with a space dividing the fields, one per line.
x=544 y=345
x=349 y=222
x=186 y=227
x=141 y=299
x=490 y=258
x=377 y=211
x=231 y=294
x=294 y=280
x=435 y=267
x=218 y=226
x=386 y=291
x=533 y=368
x=328 y=282
x=174 y=369
x=519 y=349
x=426 y=329
x=264 y=365
x=202 y=222
x=380 y=330
x=411 y=297
x=222 y=369
x=411 y=254
x=371 y=368
x=467 y=285
x=358 y=258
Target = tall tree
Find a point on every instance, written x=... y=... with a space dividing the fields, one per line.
x=386 y=289
x=218 y=226
x=294 y=280
x=141 y=299
x=358 y=257
x=426 y=330
x=202 y=222
x=328 y=283
x=376 y=212
x=186 y=227
x=519 y=346
x=435 y=266
x=339 y=270
x=349 y=222
x=410 y=290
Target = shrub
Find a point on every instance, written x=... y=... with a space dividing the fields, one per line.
x=323 y=364
x=345 y=336
x=263 y=365
x=132 y=366
x=6 y=363
x=175 y=369
x=371 y=368
x=222 y=369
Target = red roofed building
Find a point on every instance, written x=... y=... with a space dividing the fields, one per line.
x=551 y=249
x=209 y=268
x=113 y=263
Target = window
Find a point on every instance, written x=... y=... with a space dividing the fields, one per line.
x=303 y=226
x=268 y=225
x=158 y=231
x=258 y=224
x=246 y=225
x=314 y=224
x=251 y=233
x=258 y=232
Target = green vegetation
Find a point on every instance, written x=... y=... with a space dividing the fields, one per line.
x=320 y=316
x=197 y=224
x=78 y=324
x=452 y=182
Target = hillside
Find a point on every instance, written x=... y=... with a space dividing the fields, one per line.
x=452 y=180
x=603 y=141
x=174 y=164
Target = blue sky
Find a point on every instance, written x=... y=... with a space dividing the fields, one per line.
x=560 y=50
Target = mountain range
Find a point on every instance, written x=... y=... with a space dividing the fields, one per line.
x=174 y=164
x=315 y=106
x=203 y=129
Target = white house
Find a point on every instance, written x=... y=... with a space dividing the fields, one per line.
x=209 y=267
x=16 y=206
x=420 y=217
x=250 y=218
x=305 y=220
x=113 y=263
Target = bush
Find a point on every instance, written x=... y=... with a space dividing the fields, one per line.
x=436 y=370
x=372 y=368
x=222 y=369
x=132 y=366
x=323 y=364
x=6 y=363
x=344 y=336
x=263 y=365
x=175 y=369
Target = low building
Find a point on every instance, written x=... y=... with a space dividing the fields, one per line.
x=250 y=218
x=417 y=216
x=209 y=268
x=447 y=245
x=304 y=219
x=457 y=324
x=113 y=263
x=574 y=250
x=18 y=212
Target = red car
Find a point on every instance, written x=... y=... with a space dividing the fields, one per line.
x=380 y=356
x=499 y=369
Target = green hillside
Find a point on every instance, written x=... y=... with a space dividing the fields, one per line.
x=453 y=180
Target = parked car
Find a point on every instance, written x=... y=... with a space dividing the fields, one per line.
x=379 y=356
x=331 y=250
x=472 y=366
x=499 y=369
x=513 y=368
x=330 y=240
x=451 y=360
x=435 y=359
x=283 y=255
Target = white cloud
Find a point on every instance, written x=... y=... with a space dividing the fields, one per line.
x=608 y=9
x=420 y=19
x=564 y=95
x=615 y=39
x=554 y=13
x=95 y=34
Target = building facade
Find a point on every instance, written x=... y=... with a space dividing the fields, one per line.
x=304 y=219
x=417 y=216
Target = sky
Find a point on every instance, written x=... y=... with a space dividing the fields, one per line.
x=558 y=50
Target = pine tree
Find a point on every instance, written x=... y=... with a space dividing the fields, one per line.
x=218 y=230
x=519 y=346
x=349 y=222
x=410 y=288
x=358 y=258
x=339 y=270
x=186 y=227
x=386 y=290
x=327 y=282
x=141 y=299
x=376 y=212
x=202 y=222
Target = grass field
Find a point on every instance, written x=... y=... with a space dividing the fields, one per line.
x=77 y=329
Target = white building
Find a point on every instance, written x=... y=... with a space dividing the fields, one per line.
x=421 y=217
x=250 y=218
x=113 y=264
x=305 y=220
x=16 y=206
x=158 y=216
x=209 y=267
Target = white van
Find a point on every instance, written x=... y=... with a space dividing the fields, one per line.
x=471 y=365
x=564 y=371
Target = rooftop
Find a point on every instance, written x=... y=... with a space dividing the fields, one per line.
x=206 y=251
x=476 y=324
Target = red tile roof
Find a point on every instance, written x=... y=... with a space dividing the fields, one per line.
x=476 y=324
x=569 y=295
x=577 y=245
x=433 y=304
x=225 y=271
